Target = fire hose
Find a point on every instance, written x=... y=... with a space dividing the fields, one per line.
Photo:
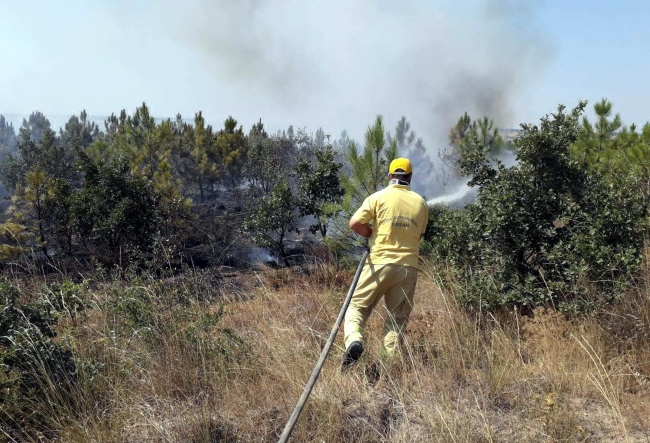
x=323 y=355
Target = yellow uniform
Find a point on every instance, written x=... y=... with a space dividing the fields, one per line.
x=399 y=218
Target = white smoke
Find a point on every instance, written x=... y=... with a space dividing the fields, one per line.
x=334 y=64
x=337 y=63
x=260 y=255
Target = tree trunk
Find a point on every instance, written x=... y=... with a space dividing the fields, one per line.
x=283 y=255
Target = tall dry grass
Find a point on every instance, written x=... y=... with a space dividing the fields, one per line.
x=223 y=357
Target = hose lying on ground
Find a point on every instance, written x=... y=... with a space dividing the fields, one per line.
x=323 y=355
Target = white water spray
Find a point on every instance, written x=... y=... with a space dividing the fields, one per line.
x=450 y=198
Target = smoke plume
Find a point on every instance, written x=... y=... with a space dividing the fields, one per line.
x=337 y=63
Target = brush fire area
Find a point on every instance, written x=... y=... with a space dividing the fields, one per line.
x=324 y=221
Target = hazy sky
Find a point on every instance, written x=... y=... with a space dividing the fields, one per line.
x=330 y=63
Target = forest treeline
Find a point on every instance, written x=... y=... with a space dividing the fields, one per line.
x=112 y=194
x=564 y=226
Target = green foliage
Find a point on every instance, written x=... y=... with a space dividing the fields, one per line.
x=548 y=231
x=37 y=376
x=41 y=213
x=78 y=132
x=146 y=144
x=232 y=148
x=53 y=204
x=67 y=299
x=149 y=147
x=197 y=153
x=7 y=137
x=16 y=316
x=115 y=126
x=613 y=149
x=45 y=155
x=115 y=211
x=320 y=191
x=36 y=126
x=270 y=160
x=597 y=143
x=161 y=312
x=13 y=236
x=369 y=168
x=463 y=139
x=58 y=215
x=272 y=219
x=135 y=307
x=362 y=174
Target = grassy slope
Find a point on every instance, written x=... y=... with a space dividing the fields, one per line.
x=185 y=373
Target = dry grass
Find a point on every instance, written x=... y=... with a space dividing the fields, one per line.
x=461 y=378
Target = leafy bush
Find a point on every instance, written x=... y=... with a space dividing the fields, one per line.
x=67 y=298
x=37 y=376
x=548 y=231
x=272 y=219
x=115 y=211
x=135 y=307
x=320 y=191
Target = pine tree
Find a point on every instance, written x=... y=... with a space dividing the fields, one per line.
x=7 y=137
x=115 y=126
x=258 y=131
x=13 y=239
x=597 y=143
x=369 y=168
x=319 y=139
x=196 y=153
x=614 y=149
x=78 y=131
x=7 y=146
x=36 y=125
x=463 y=136
x=149 y=147
x=145 y=143
x=115 y=212
x=341 y=145
x=270 y=160
x=109 y=144
x=46 y=155
x=232 y=148
x=29 y=210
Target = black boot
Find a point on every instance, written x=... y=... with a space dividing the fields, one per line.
x=352 y=354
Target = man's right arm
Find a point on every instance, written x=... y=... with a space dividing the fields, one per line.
x=426 y=218
x=364 y=215
x=363 y=229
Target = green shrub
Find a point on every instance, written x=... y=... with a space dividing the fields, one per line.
x=135 y=306
x=547 y=231
x=67 y=299
x=115 y=211
x=38 y=377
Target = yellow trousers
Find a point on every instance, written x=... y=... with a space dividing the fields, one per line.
x=396 y=283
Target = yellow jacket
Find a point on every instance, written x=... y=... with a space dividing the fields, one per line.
x=399 y=218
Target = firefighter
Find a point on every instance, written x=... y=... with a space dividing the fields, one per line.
x=394 y=220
